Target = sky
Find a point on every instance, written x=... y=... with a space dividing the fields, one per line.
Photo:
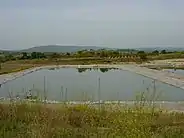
x=106 y=23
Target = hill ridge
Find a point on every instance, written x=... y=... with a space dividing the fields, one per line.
x=58 y=48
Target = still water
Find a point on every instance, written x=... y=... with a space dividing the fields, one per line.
x=89 y=84
x=177 y=71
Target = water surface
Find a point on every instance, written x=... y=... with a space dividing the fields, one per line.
x=177 y=71
x=73 y=84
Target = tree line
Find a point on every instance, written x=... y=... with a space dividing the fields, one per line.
x=142 y=55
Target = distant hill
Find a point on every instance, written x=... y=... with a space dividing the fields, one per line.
x=169 y=49
x=59 y=49
x=7 y=51
x=64 y=49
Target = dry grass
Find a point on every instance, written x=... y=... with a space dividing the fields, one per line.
x=167 y=56
x=10 y=67
x=42 y=121
x=19 y=65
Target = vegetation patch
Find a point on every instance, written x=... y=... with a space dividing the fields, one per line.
x=57 y=120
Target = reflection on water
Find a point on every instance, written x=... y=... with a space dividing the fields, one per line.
x=80 y=70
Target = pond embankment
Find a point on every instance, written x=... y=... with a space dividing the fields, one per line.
x=159 y=75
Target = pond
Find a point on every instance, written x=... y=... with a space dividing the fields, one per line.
x=70 y=84
x=177 y=71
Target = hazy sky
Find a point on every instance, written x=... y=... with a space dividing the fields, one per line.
x=111 y=23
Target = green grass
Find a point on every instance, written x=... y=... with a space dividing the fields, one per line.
x=79 y=121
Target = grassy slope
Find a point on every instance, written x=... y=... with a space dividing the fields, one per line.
x=36 y=120
x=18 y=65
x=9 y=67
x=167 y=56
x=15 y=66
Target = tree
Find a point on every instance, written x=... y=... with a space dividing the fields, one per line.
x=163 y=52
x=140 y=52
x=68 y=54
x=42 y=55
x=80 y=70
x=9 y=57
x=156 y=52
x=115 y=53
x=36 y=55
x=33 y=55
x=104 y=70
x=1 y=60
x=24 y=55
x=55 y=55
x=142 y=55
x=103 y=53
